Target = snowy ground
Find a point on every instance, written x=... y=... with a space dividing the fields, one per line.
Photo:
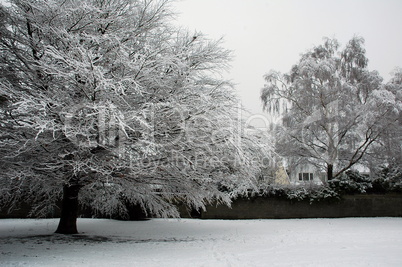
x=187 y=242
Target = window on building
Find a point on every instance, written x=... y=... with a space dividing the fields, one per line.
x=306 y=176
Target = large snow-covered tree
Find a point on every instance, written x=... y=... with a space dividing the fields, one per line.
x=104 y=103
x=333 y=108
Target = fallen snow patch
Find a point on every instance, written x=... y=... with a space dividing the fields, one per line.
x=189 y=242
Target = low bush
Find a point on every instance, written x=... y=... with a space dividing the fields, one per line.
x=386 y=180
x=309 y=192
x=389 y=179
x=351 y=182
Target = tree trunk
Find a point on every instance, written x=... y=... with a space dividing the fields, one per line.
x=330 y=172
x=69 y=210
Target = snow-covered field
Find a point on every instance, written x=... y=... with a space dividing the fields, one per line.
x=191 y=242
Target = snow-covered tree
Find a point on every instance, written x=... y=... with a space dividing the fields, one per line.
x=104 y=103
x=333 y=108
x=388 y=151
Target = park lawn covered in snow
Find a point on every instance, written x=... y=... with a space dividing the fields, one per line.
x=192 y=242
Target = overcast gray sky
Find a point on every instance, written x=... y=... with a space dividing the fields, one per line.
x=271 y=34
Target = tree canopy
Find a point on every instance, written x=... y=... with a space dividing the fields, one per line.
x=110 y=102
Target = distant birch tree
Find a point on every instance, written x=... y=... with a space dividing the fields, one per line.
x=333 y=108
x=105 y=103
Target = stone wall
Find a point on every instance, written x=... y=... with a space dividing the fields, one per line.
x=389 y=205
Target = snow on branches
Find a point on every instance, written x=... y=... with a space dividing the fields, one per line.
x=112 y=99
